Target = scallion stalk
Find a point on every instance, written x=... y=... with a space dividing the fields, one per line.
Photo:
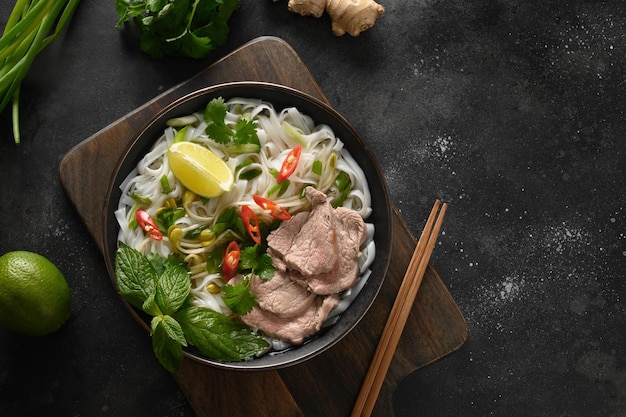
x=31 y=26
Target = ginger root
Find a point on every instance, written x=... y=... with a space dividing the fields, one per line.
x=346 y=16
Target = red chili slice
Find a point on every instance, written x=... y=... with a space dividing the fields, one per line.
x=276 y=211
x=289 y=164
x=148 y=225
x=251 y=223
x=231 y=260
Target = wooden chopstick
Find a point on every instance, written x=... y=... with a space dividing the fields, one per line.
x=399 y=313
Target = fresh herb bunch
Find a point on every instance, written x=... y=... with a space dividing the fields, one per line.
x=32 y=25
x=188 y=28
x=161 y=288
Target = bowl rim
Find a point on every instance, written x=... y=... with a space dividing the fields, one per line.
x=203 y=95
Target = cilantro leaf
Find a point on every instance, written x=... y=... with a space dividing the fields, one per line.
x=238 y=297
x=219 y=336
x=230 y=219
x=242 y=139
x=214 y=115
x=245 y=133
x=258 y=263
x=160 y=264
x=189 y=28
x=265 y=269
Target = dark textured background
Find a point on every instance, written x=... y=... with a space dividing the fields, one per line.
x=512 y=111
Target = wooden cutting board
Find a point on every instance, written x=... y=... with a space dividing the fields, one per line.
x=328 y=384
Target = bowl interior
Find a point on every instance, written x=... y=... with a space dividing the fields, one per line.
x=280 y=97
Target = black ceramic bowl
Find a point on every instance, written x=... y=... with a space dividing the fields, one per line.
x=280 y=97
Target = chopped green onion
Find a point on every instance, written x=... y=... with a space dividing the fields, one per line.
x=165 y=185
x=294 y=134
x=180 y=134
x=317 y=167
x=141 y=199
x=182 y=121
x=244 y=148
x=344 y=185
x=281 y=187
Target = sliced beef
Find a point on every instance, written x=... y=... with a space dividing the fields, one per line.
x=292 y=329
x=281 y=295
x=351 y=234
x=313 y=249
x=281 y=239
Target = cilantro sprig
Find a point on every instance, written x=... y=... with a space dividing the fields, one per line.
x=252 y=261
x=188 y=28
x=242 y=139
x=161 y=288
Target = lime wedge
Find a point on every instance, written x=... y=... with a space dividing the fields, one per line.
x=199 y=169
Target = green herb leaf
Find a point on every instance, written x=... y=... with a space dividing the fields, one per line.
x=247 y=258
x=160 y=264
x=238 y=297
x=219 y=336
x=245 y=133
x=243 y=139
x=136 y=277
x=264 y=268
x=214 y=115
x=230 y=219
x=173 y=287
x=257 y=262
x=150 y=306
x=168 y=340
x=214 y=261
x=195 y=233
x=190 y=28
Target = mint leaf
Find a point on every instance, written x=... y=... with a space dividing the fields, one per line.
x=150 y=306
x=238 y=297
x=168 y=340
x=172 y=289
x=135 y=275
x=218 y=336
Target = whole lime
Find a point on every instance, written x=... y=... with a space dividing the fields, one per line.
x=34 y=295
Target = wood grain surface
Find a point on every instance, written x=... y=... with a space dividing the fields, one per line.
x=328 y=384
